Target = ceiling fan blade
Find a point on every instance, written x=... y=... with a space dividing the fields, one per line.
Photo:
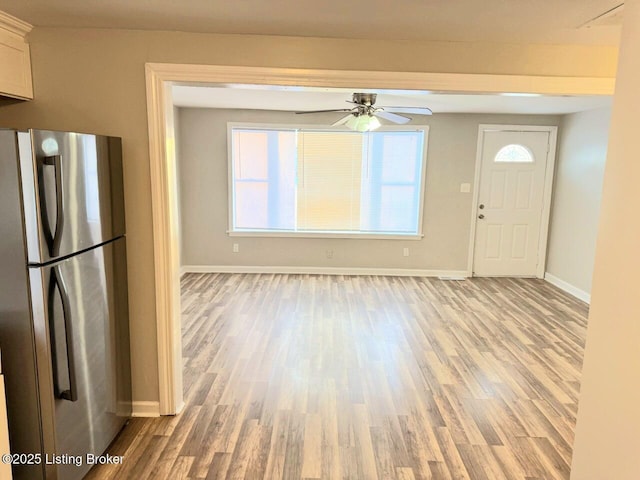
x=392 y=117
x=342 y=121
x=409 y=110
x=325 y=111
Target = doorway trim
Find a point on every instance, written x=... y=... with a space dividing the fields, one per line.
x=160 y=77
x=546 y=196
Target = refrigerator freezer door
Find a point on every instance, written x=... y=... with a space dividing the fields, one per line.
x=85 y=328
x=72 y=192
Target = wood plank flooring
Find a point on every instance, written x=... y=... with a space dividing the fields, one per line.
x=338 y=377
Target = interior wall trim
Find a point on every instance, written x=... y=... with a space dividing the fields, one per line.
x=567 y=287
x=14 y=25
x=145 y=409
x=284 y=269
x=160 y=77
x=436 y=82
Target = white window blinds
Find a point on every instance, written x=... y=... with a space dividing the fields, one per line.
x=326 y=182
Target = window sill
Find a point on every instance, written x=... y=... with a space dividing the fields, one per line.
x=357 y=236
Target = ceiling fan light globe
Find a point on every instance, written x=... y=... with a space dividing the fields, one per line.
x=352 y=123
x=363 y=123
x=374 y=123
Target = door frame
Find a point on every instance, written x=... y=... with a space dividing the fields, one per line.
x=160 y=77
x=546 y=195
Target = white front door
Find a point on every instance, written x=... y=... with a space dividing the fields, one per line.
x=510 y=202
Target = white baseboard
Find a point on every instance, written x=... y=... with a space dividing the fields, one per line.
x=145 y=409
x=567 y=287
x=391 y=272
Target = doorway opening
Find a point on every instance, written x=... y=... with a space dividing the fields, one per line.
x=161 y=77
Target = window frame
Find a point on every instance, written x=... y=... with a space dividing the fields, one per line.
x=232 y=232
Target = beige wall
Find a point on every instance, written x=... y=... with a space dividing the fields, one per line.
x=608 y=430
x=93 y=80
x=582 y=151
x=451 y=157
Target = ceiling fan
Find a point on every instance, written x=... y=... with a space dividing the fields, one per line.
x=363 y=116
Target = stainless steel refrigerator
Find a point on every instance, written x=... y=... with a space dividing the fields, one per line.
x=64 y=329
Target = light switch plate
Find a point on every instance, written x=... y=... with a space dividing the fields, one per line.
x=465 y=188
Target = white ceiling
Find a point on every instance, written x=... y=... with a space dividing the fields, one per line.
x=298 y=98
x=511 y=21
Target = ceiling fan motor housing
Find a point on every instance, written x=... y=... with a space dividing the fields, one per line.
x=367 y=99
x=364 y=104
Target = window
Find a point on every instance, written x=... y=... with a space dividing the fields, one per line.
x=313 y=182
x=514 y=154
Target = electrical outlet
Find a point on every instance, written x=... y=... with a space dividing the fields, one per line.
x=236 y=248
x=405 y=252
x=329 y=253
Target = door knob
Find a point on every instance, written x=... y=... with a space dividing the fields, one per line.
x=481 y=206
x=480 y=216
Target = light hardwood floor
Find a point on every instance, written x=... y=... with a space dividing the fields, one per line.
x=327 y=377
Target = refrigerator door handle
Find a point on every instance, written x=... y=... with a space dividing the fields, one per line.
x=57 y=282
x=53 y=241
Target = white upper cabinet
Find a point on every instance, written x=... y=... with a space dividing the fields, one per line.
x=15 y=59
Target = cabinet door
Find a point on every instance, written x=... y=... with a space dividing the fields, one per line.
x=15 y=66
